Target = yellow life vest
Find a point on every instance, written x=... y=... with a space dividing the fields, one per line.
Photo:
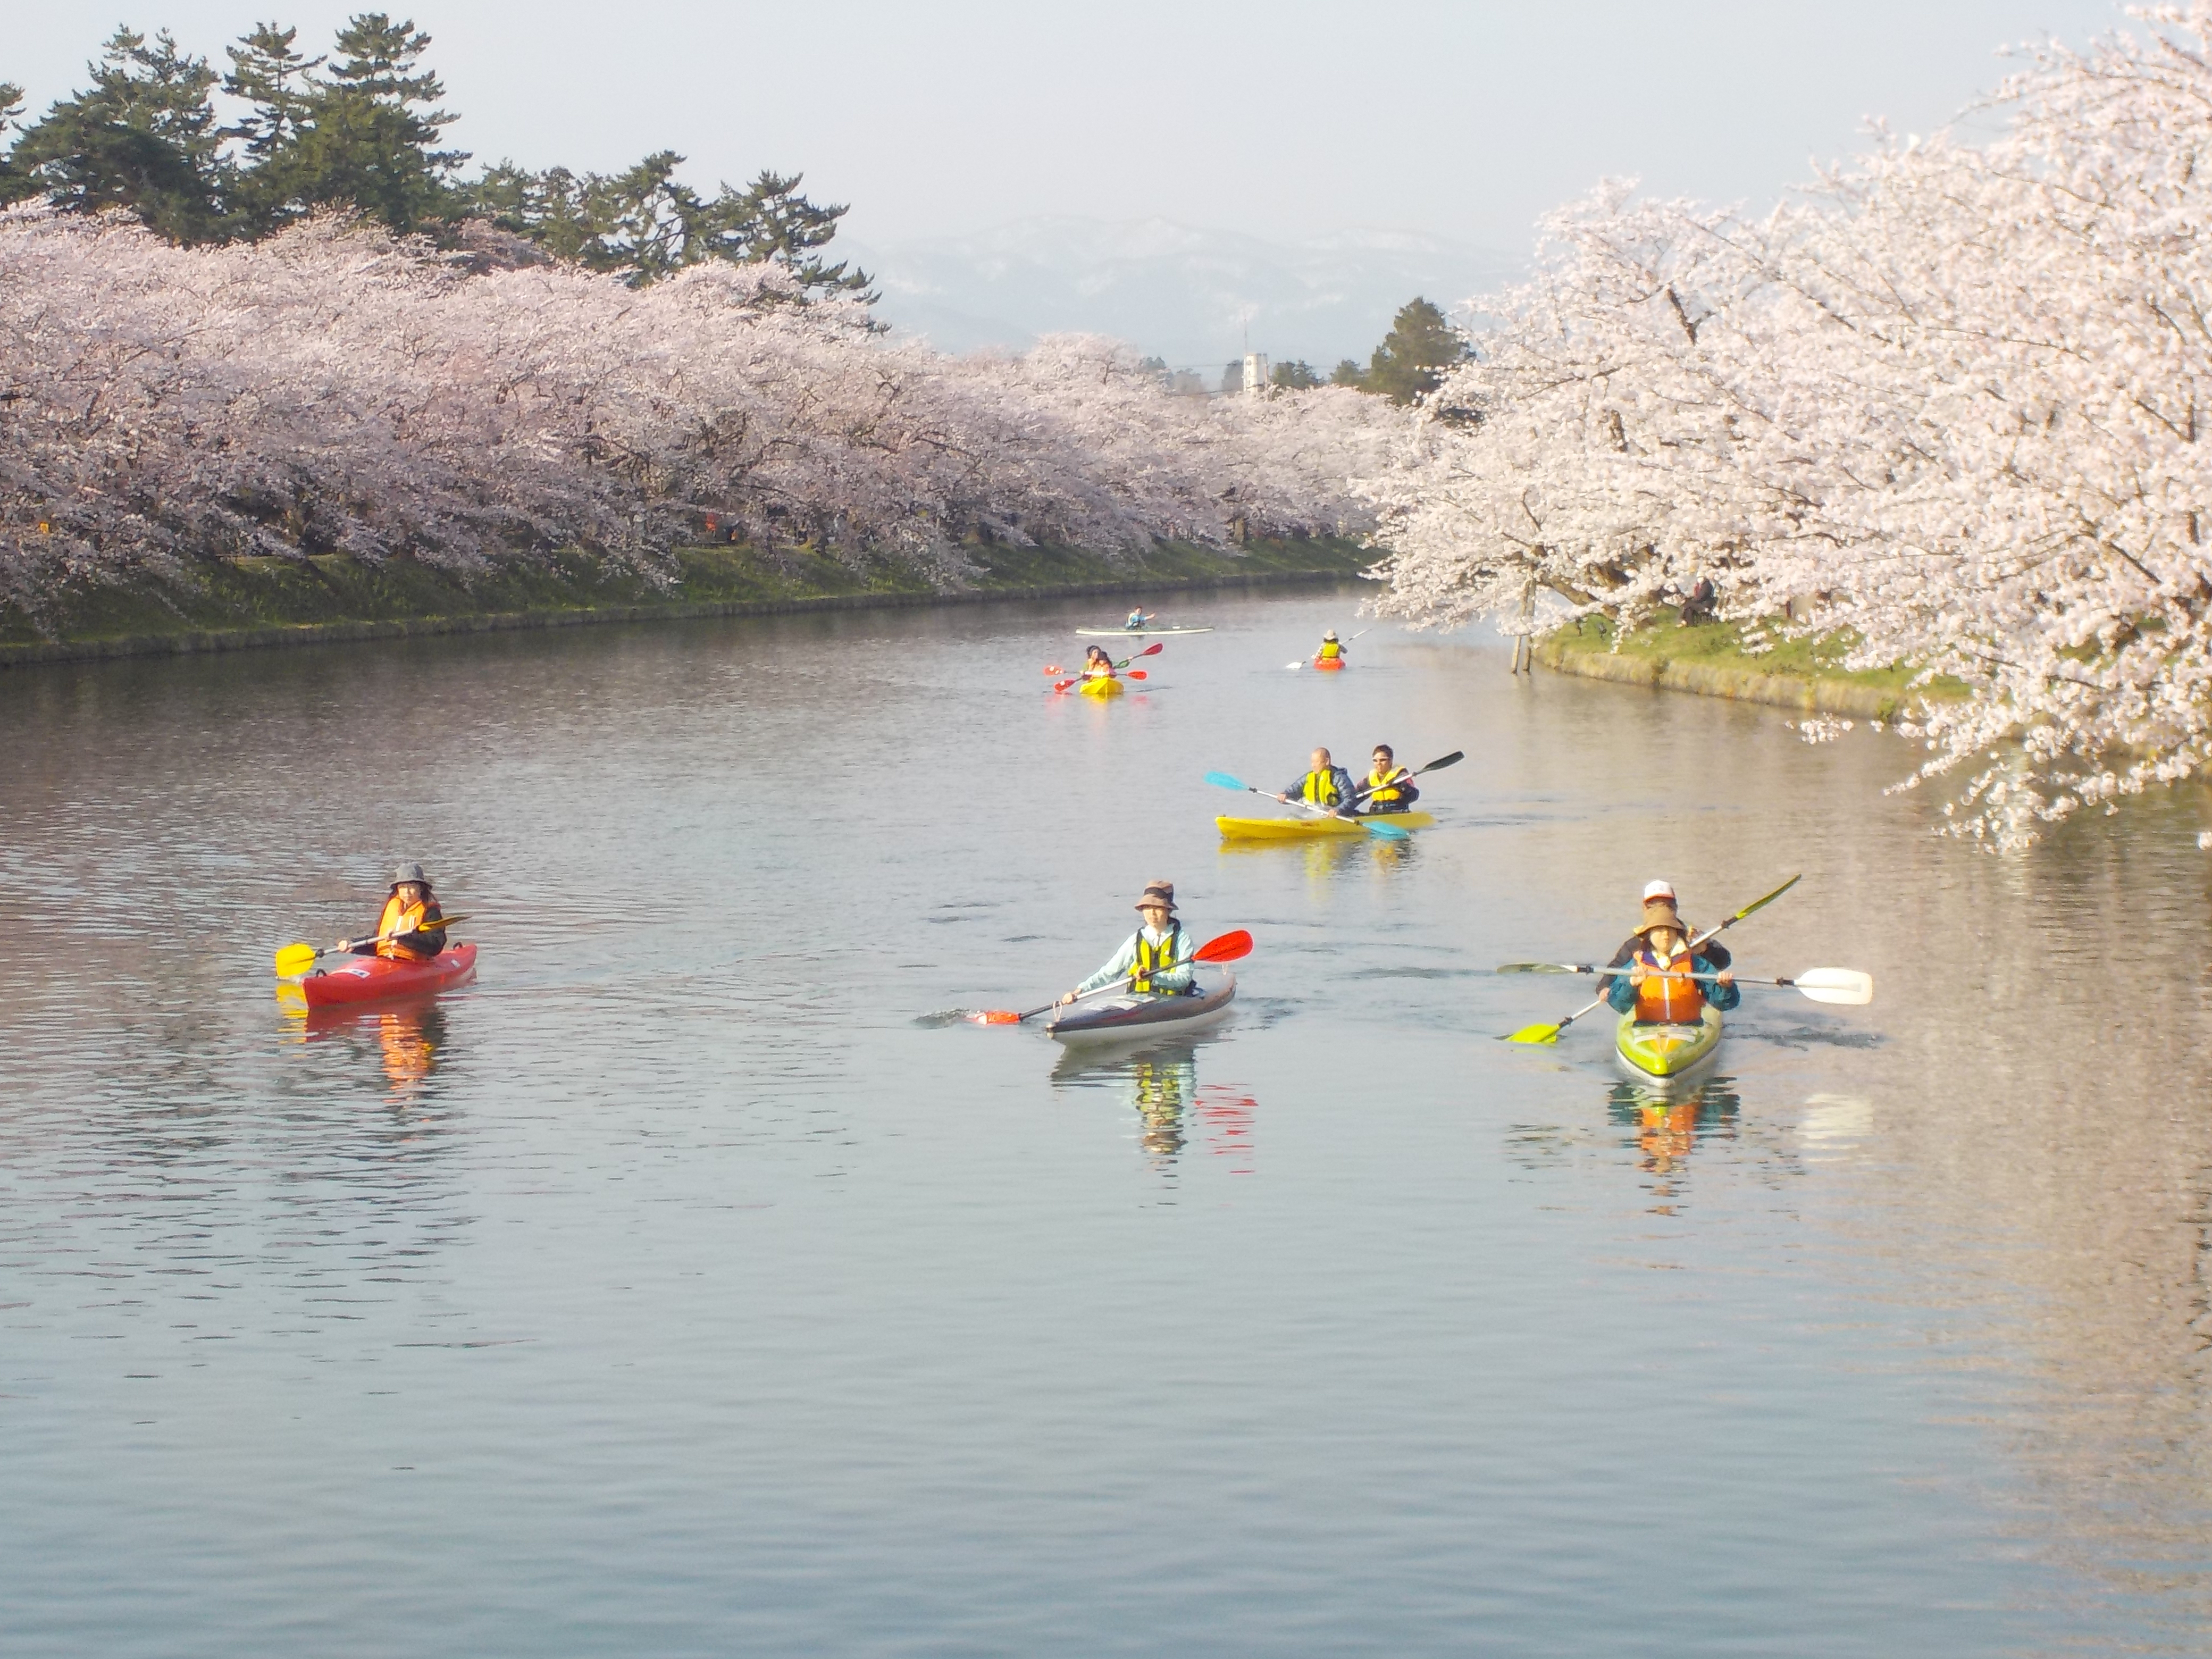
x=1669 y=996
x=1320 y=788
x=1152 y=958
x=1384 y=788
x=1330 y=648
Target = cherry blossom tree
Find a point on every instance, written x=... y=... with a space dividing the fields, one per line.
x=334 y=387
x=1946 y=403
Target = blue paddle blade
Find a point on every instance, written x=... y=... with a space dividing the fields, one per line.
x=1386 y=831
x=1223 y=781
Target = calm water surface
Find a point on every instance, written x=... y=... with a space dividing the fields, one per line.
x=682 y=1287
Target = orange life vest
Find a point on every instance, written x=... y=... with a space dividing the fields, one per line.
x=1669 y=996
x=401 y=917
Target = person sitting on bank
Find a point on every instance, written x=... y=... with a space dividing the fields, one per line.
x=1325 y=784
x=1097 y=665
x=1332 y=649
x=1157 y=957
x=1390 y=787
x=411 y=928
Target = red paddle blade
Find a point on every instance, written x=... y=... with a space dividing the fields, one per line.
x=1136 y=674
x=1154 y=648
x=1063 y=685
x=1229 y=947
x=1055 y=668
x=996 y=1017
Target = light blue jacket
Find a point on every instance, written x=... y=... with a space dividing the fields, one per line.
x=1177 y=978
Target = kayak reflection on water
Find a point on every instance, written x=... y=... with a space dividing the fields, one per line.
x=1161 y=1086
x=408 y=1035
x=1667 y=1125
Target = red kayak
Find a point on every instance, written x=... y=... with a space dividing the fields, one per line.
x=1327 y=663
x=372 y=979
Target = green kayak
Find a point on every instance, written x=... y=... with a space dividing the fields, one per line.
x=1667 y=1051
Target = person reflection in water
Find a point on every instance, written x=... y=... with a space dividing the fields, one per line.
x=1162 y=1093
x=408 y=1039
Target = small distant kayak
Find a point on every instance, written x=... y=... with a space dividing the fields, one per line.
x=1133 y=633
x=1327 y=664
x=1313 y=829
x=1102 y=687
x=1116 y=1019
x=372 y=979
x=1664 y=1052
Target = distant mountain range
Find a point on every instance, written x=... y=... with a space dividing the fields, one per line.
x=1194 y=297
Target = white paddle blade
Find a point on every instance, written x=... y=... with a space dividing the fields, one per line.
x=1842 y=985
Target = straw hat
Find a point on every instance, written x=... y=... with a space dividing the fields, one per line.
x=1159 y=892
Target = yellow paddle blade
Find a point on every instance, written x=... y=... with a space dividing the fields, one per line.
x=1535 y=1034
x=295 y=959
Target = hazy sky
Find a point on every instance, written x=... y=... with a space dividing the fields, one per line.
x=1280 y=118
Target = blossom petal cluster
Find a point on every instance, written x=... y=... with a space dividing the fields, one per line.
x=1948 y=405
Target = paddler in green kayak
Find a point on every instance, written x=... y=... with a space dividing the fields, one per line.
x=1157 y=957
x=411 y=918
x=1658 y=987
x=1325 y=784
x=1390 y=787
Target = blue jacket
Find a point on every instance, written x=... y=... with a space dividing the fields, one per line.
x=1622 y=995
x=1348 y=792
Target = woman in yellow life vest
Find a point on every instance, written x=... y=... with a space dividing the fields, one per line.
x=411 y=927
x=1325 y=784
x=1658 y=986
x=1332 y=649
x=1157 y=957
x=1390 y=787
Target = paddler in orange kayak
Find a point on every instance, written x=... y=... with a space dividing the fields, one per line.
x=1332 y=649
x=1658 y=986
x=412 y=918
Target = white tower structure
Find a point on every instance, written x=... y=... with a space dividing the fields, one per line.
x=1255 y=373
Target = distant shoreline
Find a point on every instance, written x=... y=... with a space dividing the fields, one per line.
x=278 y=604
x=1708 y=660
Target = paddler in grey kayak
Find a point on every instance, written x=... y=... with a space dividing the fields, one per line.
x=1157 y=957
x=1658 y=987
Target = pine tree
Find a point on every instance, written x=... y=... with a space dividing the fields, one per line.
x=143 y=137
x=12 y=183
x=1410 y=361
x=363 y=135
x=770 y=220
x=1296 y=375
x=1346 y=373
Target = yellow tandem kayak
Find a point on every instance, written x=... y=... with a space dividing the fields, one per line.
x=1102 y=687
x=1313 y=829
x=1655 y=1053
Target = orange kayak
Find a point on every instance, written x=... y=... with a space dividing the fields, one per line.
x=372 y=979
x=1327 y=663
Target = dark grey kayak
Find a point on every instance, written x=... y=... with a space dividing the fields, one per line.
x=1105 y=1019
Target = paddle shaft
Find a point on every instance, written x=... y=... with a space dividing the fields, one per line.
x=315 y=955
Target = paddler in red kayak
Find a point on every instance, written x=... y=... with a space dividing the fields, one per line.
x=1658 y=987
x=411 y=918
x=1157 y=957
x=1332 y=649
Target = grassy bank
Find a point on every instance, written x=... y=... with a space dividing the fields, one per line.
x=241 y=603
x=1710 y=658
